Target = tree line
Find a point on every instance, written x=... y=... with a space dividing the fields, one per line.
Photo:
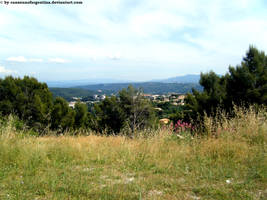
x=243 y=85
x=33 y=103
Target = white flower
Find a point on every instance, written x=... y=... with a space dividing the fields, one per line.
x=228 y=181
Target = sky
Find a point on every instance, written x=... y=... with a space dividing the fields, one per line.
x=135 y=40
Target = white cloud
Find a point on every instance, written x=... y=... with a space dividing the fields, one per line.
x=58 y=60
x=35 y=60
x=23 y=59
x=17 y=59
x=3 y=70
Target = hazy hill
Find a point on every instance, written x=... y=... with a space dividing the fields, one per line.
x=148 y=87
x=68 y=93
x=189 y=78
x=85 y=88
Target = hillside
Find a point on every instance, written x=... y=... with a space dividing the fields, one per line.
x=148 y=87
x=68 y=93
x=109 y=88
x=189 y=78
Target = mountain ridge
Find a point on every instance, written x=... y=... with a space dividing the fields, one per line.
x=189 y=78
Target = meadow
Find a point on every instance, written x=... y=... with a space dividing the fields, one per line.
x=227 y=162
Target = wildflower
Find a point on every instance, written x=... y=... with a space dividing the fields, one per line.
x=181 y=126
x=228 y=181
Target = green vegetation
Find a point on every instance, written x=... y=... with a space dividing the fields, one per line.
x=129 y=111
x=167 y=109
x=32 y=102
x=229 y=163
x=69 y=93
x=62 y=116
x=244 y=85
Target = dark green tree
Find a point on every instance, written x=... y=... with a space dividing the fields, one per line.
x=8 y=92
x=244 y=85
x=247 y=83
x=63 y=117
x=129 y=109
x=80 y=115
x=107 y=116
x=27 y=98
x=213 y=95
x=138 y=112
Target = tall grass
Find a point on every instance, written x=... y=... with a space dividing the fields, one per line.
x=229 y=163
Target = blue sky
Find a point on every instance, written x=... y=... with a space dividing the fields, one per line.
x=128 y=39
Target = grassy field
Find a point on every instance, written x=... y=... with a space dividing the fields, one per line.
x=228 y=163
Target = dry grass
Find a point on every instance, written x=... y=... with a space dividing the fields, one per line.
x=230 y=163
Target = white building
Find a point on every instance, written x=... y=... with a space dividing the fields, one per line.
x=72 y=104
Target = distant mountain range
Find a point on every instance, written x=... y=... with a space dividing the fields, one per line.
x=114 y=88
x=190 y=78
x=148 y=87
x=85 y=88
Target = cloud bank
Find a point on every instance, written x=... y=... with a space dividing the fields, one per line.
x=22 y=59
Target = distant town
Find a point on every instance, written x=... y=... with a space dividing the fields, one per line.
x=175 y=99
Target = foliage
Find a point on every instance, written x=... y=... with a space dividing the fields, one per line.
x=138 y=112
x=80 y=115
x=27 y=98
x=107 y=116
x=168 y=110
x=63 y=117
x=32 y=102
x=128 y=110
x=245 y=84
